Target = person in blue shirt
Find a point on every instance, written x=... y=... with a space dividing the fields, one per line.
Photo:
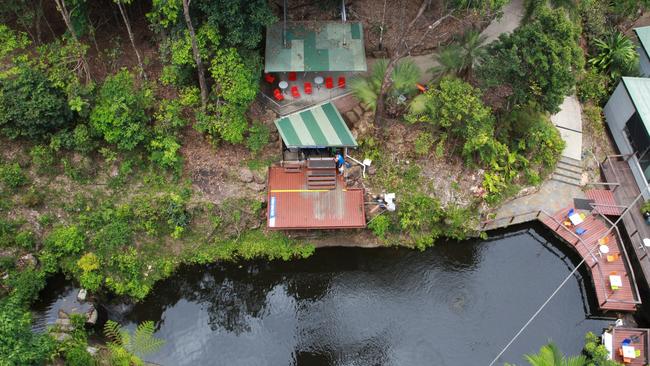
x=340 y=162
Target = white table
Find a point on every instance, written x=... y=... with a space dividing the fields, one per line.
x=615 y=280
x=283 y=85
x=603 y=249
x=318 y=80
x=629 y=352
x=576 y=219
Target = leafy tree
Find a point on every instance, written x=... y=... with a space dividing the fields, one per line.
x=120 y=113
x=127 y=348
x=237 y=81
x=596 y=352
x=616 y=55
x=538 y=60
x=241 y=22
x=19 y=346
x=550 y=355
x=455 y=106
x=30 y=106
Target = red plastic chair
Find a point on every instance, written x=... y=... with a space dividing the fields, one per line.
x=269 y=78
x=308 y=89
x=292 y=76
x=329 y=83
x=294 y=92
x=277 y=94
x=342 y=82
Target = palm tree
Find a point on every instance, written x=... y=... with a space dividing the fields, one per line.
x=404 y=77
x=462 y=57
x=550 y=355
x=616 y=55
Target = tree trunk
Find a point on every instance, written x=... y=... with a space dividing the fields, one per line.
x=61 y=7
x=385 y=86
x=197 y=55
x=131 y=37
x=399 y=53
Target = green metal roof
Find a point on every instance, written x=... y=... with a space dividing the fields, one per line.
x=643 y=34
x=319 y=126
x=315 y=46
x=639 y=91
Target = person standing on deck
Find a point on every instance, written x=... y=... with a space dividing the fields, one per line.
x=340 y=162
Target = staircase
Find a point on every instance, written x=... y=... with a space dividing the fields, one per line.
x=292 y=167
x=568 y=171
x=321 y=179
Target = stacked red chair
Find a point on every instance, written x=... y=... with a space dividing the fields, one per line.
x=277 y=94
x=292 y=76
x=329 y=83
x=269 y=78
x=342 y=82
x=308 y=89
x=294 y=92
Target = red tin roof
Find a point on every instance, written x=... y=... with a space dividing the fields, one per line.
x=291 y=205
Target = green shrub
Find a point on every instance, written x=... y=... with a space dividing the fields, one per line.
x=30 y=106
x=78 y=356
x=34 y=197
x=594 y=87
x=12 y=175
x=120 y=113
x=165 y=152
x=594 y=117
x=42 y=158
x=380 y=226
x=25 y=240
x=65 y=240
x=258 y=137
x=18 y=344
x=423 y=143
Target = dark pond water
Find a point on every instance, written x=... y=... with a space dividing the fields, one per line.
x=454 y=304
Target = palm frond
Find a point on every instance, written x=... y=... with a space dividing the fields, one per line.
x=405 y=75
x=143 y=340
x=113 y=331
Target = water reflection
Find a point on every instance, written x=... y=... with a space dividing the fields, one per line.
x=455 y=304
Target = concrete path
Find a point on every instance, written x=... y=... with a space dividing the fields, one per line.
x=552 y=196
x=569 y=122
x=513 y=13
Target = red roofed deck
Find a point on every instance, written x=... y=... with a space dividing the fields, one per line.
x=626 y=297
x=292 y=205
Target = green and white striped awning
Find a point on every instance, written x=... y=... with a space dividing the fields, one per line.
x=317 y=127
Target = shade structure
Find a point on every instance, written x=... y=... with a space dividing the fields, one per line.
x=315 y=46
x=317 y=127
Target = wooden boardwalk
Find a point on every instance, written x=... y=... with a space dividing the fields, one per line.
x=601 y=266
x=604 y=201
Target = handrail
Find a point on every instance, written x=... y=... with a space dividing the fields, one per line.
x=596 y=262
x=627 y=263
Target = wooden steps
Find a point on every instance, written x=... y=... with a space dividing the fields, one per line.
x=321 y=179
x=292 y=167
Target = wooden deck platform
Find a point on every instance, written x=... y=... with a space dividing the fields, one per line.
x=601 y=266
x=617 y=172
x=292 y=204
x=604 y=201
x=638 y=338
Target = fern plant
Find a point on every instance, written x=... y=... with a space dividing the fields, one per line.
x=127 y=348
